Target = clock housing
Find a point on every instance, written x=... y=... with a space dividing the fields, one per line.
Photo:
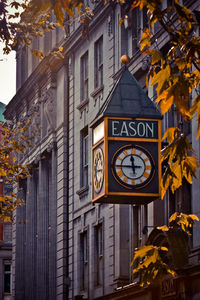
x=131 y=156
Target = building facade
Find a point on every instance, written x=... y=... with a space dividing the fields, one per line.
x=5 y=239
x=69 y=248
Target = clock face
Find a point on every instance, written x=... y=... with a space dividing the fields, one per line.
x=98 y=170
x=132 y=166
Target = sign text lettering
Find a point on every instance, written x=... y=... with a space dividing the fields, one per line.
x=133 y=128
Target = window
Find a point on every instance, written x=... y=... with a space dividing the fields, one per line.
x=139 y=23
x=1 y=232
x=7 y=277
x=98 y=256
x=84 y=77
x=83 y=260
x=98 y=63
x=84 y=158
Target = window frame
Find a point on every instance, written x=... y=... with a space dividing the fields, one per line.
x=98 y=253
x=83 y=259
x=98 y=63
x=7 y=272
x=84 y=158
x=84 y=79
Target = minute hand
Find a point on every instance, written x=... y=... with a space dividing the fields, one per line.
x=133 y=165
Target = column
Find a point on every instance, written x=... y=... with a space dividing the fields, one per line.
x=20 y=245
x=30 y=260
x=42 y=284
x=52 y=223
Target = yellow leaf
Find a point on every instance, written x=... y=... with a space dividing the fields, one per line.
x=142 y=251
x=173 y=217
x=145 y=41
x=163 y=228
x=121 y=21
x=161 y=78
x=166 y=104
x=194 y=217
x=164 y=248
x=170 y=134
x=156 y=56
x=181 y=63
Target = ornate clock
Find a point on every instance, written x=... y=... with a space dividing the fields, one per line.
x=126 y=146
x=98 y=170
x=132 y=166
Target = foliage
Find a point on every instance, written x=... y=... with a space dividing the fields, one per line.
x=13 y=143
x=183 y=221
x=148 y=264
x=22 y=20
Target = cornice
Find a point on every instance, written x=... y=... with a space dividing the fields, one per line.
x=51 y=62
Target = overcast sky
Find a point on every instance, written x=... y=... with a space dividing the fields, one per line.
x=7 y=76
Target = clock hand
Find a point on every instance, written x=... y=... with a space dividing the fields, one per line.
x=133 y=165
x=127 y=166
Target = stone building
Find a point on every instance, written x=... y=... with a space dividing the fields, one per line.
x=70 y=248
x=5 y=240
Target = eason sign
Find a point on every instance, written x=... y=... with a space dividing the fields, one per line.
x=133 y=129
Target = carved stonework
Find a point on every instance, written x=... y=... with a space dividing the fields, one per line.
x=48 y=104
x=37 y=159
x=34 y=117
x=51 y=146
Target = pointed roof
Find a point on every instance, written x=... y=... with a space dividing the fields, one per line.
x=128 y=99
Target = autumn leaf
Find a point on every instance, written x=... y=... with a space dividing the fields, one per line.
x=163 y=228
x=170 y=134
x=184 y=221
x=161 y=78
x=156 y=56
x=151 y=266
x=145 y=39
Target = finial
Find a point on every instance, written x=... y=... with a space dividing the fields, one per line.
x=125 y=59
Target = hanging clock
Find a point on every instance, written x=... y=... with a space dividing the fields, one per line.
x=98 y=170
x=132 y=166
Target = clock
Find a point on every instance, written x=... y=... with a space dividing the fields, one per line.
x=132 y=166
x=98 y=170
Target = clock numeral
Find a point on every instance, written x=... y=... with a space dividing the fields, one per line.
x=125 y=153
x=133 y=151
x=120 y=173
x=148 y=167
x=119 y=158
x=145 y=174
x=125 y=179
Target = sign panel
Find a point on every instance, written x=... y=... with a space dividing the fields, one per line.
x=133 y=128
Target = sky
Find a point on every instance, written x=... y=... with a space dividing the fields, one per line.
x=7 y=76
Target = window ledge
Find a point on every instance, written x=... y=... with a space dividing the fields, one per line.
x=82 y=105
x=97 y=91
x=83 y=191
